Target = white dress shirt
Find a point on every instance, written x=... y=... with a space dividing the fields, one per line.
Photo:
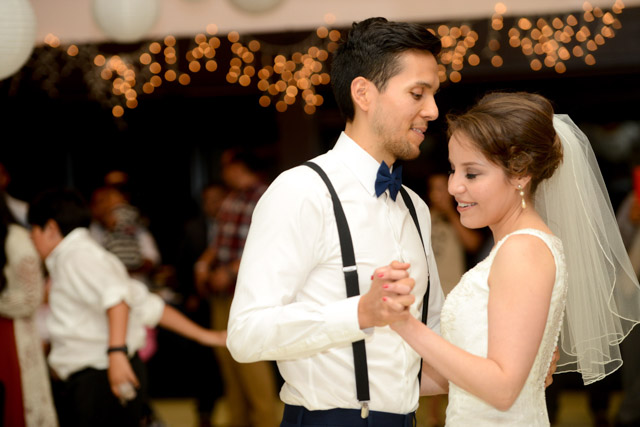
x=290 y=303
x=86 y=280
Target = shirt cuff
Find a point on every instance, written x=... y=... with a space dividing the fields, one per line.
x=150 y=312
x=342 y=320
x=113 y=296
x=147 y=307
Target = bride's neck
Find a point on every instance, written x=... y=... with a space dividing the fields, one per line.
x=524 y=218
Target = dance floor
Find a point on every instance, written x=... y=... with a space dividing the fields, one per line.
x=573 y=411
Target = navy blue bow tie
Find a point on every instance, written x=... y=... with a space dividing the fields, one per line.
x=387 y=179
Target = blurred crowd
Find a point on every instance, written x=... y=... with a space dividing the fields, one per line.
x=200 y=283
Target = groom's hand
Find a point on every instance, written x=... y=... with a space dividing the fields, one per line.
x=552 y=368
x=390 y=282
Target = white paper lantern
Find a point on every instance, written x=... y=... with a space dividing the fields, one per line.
x=256 y=6
x=125 y=21
x=17 y=35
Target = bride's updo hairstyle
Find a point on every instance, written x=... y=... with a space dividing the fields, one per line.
x=514 y=131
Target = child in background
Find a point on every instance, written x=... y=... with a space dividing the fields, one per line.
x=98 y=318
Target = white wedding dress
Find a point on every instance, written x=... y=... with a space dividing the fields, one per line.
x=464 y=322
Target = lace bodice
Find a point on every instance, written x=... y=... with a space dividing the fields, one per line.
x=19 y=301
x=464 y=322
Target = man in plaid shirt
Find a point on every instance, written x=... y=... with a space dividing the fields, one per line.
x=250 y=388
x=235 y=213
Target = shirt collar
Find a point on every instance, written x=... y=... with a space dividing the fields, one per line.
x=363 y=166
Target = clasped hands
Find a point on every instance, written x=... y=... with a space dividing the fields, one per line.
x=389 y=297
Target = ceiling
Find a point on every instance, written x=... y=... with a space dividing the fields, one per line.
x=72 y=20
x=169 y=142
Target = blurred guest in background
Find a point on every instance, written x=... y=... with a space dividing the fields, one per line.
x=23 y=372
x=250 y=388
x=199 y=238
x=18 y=208
x=116 y=225
x=628 y=217
x=98 y=314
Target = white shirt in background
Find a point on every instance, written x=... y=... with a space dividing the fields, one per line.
x=86 y=280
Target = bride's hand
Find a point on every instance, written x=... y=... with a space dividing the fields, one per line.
x=390 y=282
x=552 y=368
x=398 y=300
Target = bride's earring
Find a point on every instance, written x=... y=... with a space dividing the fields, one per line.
x=521 y=190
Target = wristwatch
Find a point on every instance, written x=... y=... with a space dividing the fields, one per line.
x=122 y=348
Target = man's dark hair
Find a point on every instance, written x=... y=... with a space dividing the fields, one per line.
x=247 y=158
x=66 y=207
x=371 y=50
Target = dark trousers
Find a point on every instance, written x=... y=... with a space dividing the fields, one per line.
x=629 y=411
x=298 y=416
x=85 y=399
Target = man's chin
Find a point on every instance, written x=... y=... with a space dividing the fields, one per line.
x=412 y=154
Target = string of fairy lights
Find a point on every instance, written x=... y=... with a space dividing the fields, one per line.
x=286 y=75
x=545 y=41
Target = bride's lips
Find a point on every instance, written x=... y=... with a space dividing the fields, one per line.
x=464 y=206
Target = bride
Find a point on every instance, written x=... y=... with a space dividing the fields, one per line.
x=558 y=269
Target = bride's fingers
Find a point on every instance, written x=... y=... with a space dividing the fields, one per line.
x=406 y=300
x=397 y=265
x=393 y=306
x=395 y=271
x=393 y=274
x=400 y=287
x=399 y=303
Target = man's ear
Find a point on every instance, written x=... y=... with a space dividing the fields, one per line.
x=52 y=230
x=362 y=93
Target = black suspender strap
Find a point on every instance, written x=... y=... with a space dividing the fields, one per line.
x=349 y=269
x=425 y=301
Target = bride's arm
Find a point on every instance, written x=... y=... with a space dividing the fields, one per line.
x=521 y=281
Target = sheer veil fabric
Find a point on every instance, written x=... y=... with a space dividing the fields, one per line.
x=603 y=298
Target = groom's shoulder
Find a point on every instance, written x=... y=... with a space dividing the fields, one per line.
x=300 y=181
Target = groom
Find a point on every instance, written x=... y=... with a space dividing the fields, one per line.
x=290 y=303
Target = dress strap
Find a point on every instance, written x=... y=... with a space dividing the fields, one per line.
x=547 y=238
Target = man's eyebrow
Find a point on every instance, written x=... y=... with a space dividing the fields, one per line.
x=427 y=85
